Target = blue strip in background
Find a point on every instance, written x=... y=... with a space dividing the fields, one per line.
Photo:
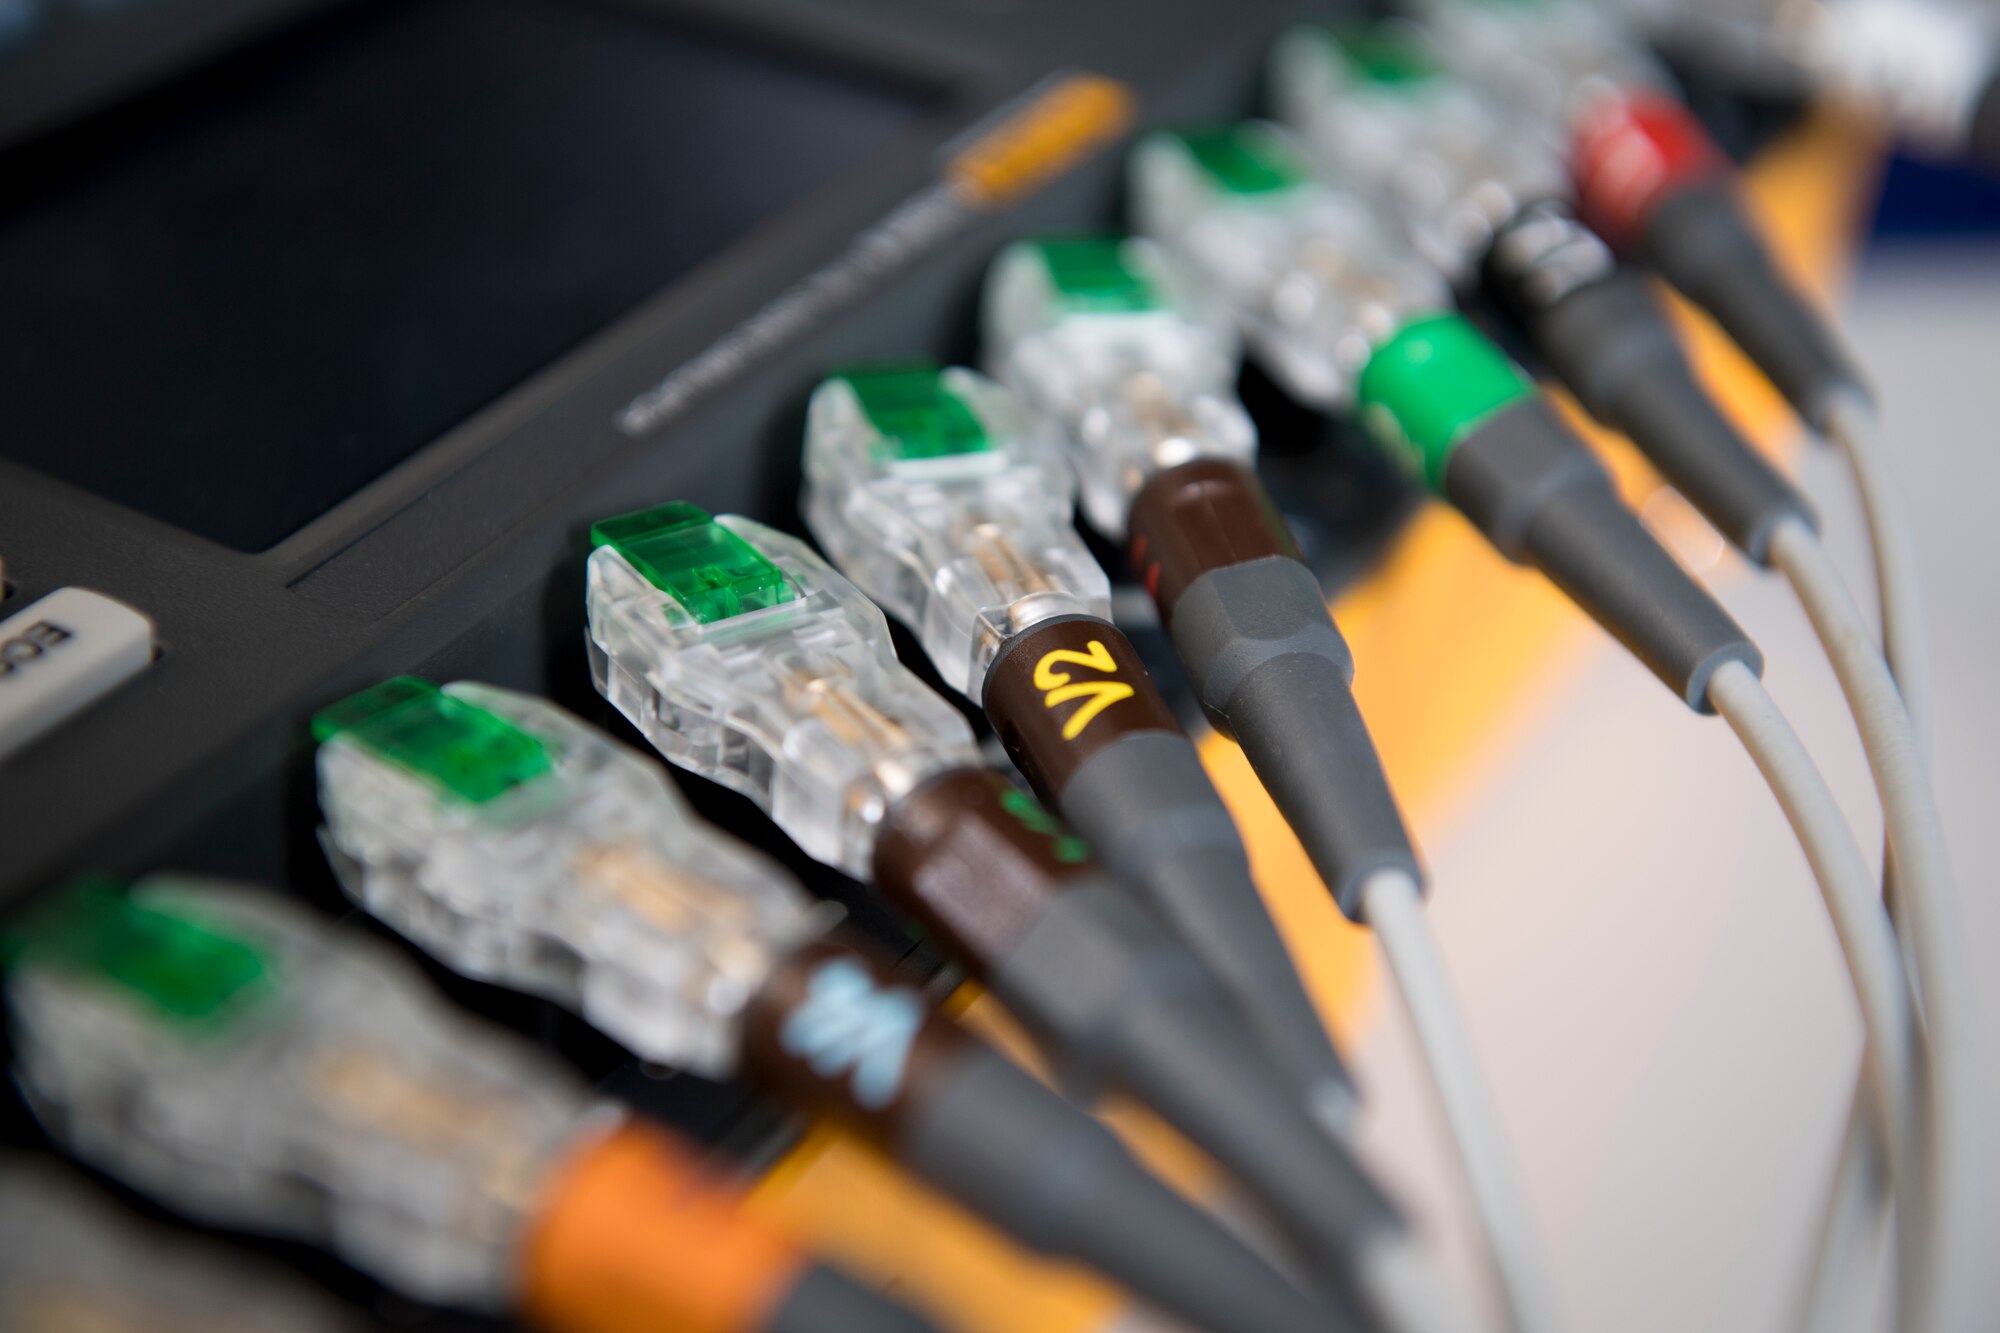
x=1924 y=201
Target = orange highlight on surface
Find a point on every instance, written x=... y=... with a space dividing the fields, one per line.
x=635 y=1236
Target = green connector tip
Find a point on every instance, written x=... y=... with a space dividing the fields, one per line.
x=915 y=413
x=1242 y=161
x=1381 y=54
x=1432 y=384
x=713 y=573
x=1093 y=275
x=183 y=968
x=461 y=749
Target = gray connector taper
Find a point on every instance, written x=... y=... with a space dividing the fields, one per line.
x=1119 y=1003
x=824 y=1300
x=1271 y=670
x=1543 y=499
x=1061 y=1182
x=1148 y=809
x=1601 y=330
x=1699 y=241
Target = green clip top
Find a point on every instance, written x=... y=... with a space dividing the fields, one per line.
x=1381 y=54
x=1093 y=275
x=184 y=969
x=460 y=749
x=1243 y=162
x=915 y=413
x=713 y=573
x=1434 y=382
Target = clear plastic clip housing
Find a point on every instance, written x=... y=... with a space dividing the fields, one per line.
x=952 y=505
x=232 y=1055
x=1552 y=59
x=1376 y=116
x=798 y=701
x=1313 y=276
x=1107 y=337
x=1922 y=63
x=528 y=849
x=74 y=1260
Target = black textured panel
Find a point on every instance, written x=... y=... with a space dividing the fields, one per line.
x=234 y=303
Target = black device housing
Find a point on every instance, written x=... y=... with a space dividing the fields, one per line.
x=463 y=559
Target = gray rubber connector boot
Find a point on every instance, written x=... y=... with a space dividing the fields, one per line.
x=1119 y=1003
x=1272 y=671
x=1147 y=807
x=1699 y=240
x=1543 y=500
x=1058 y=1180
x=1602 y=330
x=827 y=1301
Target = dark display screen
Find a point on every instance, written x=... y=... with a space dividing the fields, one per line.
x=236 y=302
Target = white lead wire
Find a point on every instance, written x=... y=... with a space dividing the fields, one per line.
x=1856 y=1193
x=1867 y=943
x=1394 y=910
x=1850 y=425
x=1850 y=1218
x=1951 y=1233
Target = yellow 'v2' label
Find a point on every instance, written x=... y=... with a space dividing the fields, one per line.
x=1059 y=688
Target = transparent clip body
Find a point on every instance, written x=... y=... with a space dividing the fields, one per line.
x=1109 y=339
x=582 y=875
x=1314 y=277
x=1921 y=64
x=228 y=1053
x=1551 y=59
x=72 y=1261
x=952 y=505
x=1452 y=164
x=799 y=704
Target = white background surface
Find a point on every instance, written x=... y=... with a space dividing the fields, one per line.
x=1656 y=993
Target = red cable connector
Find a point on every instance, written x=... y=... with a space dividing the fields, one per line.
x=1629 y=153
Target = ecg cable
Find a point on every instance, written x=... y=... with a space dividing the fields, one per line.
x=1103 y=338
x=1928 y=69
x=742 y=656
x=952 y=506
x=1437 y=395
x=228 y=1054
x=526 y=848
x=1646 y=176
x=1479 y=194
